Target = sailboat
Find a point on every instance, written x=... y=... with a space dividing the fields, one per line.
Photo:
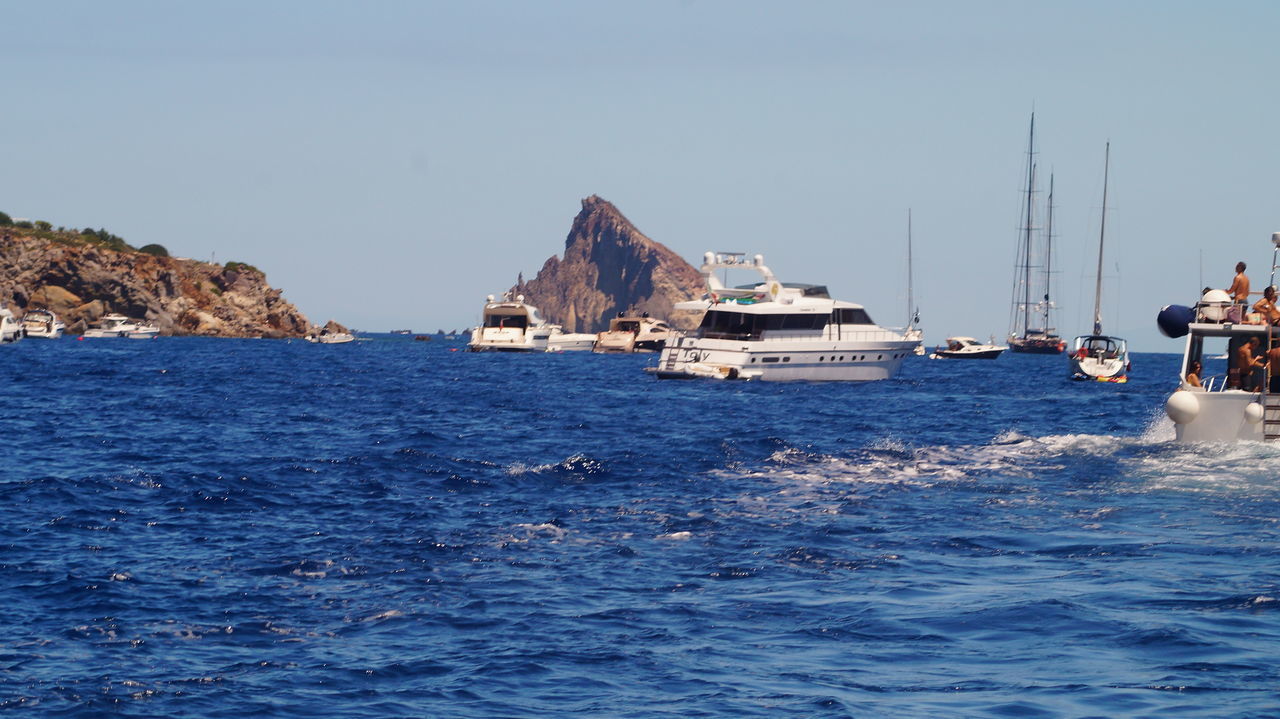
x=913 y=312
x=1023 y=337
x=1097 y=356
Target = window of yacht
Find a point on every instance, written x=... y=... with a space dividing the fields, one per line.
x=847 y=316
x=722 y=324
x=514 y=321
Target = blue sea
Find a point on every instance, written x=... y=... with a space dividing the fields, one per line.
x=389 y=528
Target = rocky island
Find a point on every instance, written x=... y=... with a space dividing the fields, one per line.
x=609 y=266
x=84 y=274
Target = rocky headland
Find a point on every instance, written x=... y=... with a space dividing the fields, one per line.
x=82 y=275
x=609 y=266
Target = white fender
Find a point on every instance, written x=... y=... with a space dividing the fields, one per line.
x=1182 y=407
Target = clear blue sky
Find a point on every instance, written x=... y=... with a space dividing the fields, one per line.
x=388 y=164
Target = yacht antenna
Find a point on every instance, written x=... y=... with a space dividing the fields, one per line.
x=1102 y=231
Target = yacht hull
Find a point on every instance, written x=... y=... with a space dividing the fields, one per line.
x=782 y=361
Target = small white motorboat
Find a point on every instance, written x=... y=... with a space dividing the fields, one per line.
x=42 y=323
x=114 y=325
x=634 y=333
x=325 y=337
x=966 y=348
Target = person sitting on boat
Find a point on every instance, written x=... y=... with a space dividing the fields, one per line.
x=1241 y=376
x=1193 y=374
x=1267 y=307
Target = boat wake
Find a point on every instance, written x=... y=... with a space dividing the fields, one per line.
x=1149 y=461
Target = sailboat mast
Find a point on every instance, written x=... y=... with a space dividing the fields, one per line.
x=910 y=294
x=1026 y=227
x=1048 y=252
x=1102 y=233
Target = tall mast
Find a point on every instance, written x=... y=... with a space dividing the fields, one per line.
x=1102 y=232
x=910 y=294
x=1048 y=252
x=1026 y=227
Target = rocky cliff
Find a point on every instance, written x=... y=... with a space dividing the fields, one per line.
x=81 y=280
x=609 y=267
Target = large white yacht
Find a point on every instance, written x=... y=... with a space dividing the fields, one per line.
x=42 y=323
x=1223 y=401
x=113 y=325
x=775 y=331
x=512 y=325
x=10 y=327
x=634 y=333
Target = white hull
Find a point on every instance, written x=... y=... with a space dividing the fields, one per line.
x=499 y=339
x=570 y=342
x=784 y=360
x=337 y=338
x=1102 y=370
x=1219 y=416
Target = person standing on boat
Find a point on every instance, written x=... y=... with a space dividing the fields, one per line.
x=1239 y=289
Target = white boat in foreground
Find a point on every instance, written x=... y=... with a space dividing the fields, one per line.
x=114 y=325
x=634 y=333
x=42 y=323
x=775 y=331
x=10 y=328
x=966 y=348
x=1227 y=401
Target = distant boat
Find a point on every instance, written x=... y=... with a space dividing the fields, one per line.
x=966 y=348
x=401 y=332
x=634 y=333
x=1098 y=356
x=1023 y=337
x=42 y=323
x=325 y=337
x=913 y=312
x=513 y=325
x=114 y=325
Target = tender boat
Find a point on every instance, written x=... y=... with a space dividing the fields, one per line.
x=325 y=337
x=634 y=333
x=1229 y=404
x=775 y=331
x=966 y=348
x=114 y=325
x=1098 y=356
x=10 y=328
x=513 y=325
x=42 y=323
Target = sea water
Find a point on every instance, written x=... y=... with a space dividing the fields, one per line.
x=231 y=528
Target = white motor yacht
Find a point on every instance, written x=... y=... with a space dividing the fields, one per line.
x=114 y=325
x=10 y=328
x=1223 y=400
x=42 y=323
x=775 y=331
x=513 y=325
x=634 y=333
x=966 y=348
